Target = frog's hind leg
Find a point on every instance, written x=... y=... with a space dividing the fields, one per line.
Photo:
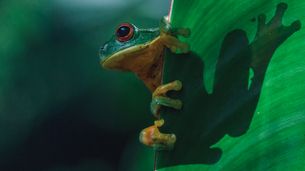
x=163 y=141
x=151 y=136
x=159 y=97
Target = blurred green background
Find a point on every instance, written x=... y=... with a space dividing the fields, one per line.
x=58 y=109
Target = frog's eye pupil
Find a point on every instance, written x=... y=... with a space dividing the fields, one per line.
x=124 y=32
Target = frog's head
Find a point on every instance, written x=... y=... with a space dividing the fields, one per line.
x=125 y=45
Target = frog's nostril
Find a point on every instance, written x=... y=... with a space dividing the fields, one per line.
x=101 y=50
x=124 y=32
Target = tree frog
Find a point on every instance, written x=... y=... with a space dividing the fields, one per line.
x=141 y=51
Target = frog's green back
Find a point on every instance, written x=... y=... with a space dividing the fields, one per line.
x=276 y=134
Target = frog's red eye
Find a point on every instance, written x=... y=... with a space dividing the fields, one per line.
x=124 y=32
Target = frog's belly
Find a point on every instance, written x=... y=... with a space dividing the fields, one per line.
x=151 y=70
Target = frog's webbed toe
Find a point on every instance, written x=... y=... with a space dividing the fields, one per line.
x=159 y=97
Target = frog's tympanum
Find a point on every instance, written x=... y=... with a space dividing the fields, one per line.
x=141 y=52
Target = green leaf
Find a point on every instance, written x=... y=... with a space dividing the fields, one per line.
x=243 y=92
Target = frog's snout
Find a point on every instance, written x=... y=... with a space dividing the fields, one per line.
x=102 y=54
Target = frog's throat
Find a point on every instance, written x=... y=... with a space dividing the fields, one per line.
x=145 y=60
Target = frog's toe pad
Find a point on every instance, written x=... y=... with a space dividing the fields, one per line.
x=177 y=85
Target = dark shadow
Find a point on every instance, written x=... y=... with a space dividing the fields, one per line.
x=65 y=139
x=206 y=118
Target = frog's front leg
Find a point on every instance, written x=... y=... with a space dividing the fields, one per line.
x=151 y=136
x=159 y=97
x=167 y=28
x=174 y=44
x=168 y=37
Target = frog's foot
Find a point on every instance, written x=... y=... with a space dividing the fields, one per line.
x=151 y=136
x=159 y=97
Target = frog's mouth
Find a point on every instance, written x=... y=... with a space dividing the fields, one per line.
x=125 y=60
x=145 y=60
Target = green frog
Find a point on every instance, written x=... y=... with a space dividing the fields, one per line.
x=141 y=51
